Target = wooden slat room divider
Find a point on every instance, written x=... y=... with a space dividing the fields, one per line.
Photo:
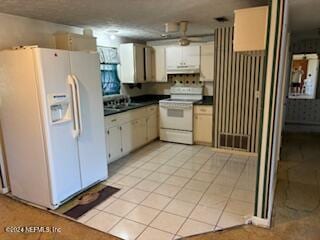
x=238 y=79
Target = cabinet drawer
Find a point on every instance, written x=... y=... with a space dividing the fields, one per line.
x=203 y=110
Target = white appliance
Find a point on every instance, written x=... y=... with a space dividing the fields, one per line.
x=53 y=124
x=176 y=114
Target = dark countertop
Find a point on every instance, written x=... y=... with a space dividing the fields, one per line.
x=139 y=101
x=207 y=100
x=146 y=100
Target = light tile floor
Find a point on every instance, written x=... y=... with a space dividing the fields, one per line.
x=172 y=190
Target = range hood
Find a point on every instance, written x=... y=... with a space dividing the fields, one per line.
x=183 y=70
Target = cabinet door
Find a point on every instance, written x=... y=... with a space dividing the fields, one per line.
x=173 y=57
x=127 y=63
x=149 y=64
x=206 y=63
x=139 y=63
x=127 y=137
x=152 y=127
x=160 y=64
x=139 y=132
x=191 y=55
x=113 y=142
x=203 y=128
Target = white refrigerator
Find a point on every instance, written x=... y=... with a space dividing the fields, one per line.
x=52 y=122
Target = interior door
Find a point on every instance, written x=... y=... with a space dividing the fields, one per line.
x=54 y=68
x=85 y=68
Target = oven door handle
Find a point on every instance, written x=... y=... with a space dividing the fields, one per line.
x=176 y=107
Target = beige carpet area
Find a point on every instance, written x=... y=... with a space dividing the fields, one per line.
x=296 y=211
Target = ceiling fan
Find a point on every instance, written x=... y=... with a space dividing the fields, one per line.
x=184 y=40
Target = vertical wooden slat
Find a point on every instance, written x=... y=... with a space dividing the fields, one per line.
x=225 y=62
x=229 y=85
x=261 y=70
x=221 y=46
x=216 y=86
x=247 y=106
x=232 y=86
x=251 y=99
x=239 y=95
x=236 y=92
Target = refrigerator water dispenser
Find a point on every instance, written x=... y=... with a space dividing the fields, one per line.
x=59 y=107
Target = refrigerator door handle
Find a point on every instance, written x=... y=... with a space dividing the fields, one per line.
x=78 y=102
x=76 y=129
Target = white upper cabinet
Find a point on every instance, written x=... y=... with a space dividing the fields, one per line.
x=250 y=29
x=183 y=59
x=133 y=63
x=206 y=64
x=173 y=57
x=160 y=73
x=191 y=56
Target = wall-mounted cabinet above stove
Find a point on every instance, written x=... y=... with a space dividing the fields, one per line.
x=183 y=60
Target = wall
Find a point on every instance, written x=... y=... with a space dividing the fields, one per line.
x=302 y=115
x=17 y=31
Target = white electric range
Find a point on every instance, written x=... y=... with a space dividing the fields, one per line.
x=176 y=114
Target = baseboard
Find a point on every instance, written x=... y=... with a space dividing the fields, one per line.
x=260 y=222
x=4 y=190
x=223 y=150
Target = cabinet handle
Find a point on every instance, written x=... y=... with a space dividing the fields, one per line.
x=113 y=120
x=120 y=128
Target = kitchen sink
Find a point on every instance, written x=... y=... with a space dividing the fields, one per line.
x=120 y=107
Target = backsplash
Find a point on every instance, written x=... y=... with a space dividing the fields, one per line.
x=164 y=88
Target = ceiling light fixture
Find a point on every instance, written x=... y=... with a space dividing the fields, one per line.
x=164 y=35
x=112 y=34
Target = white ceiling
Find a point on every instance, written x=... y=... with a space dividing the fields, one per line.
x=304 y=15
x=138 y=19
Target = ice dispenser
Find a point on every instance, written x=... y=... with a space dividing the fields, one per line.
x=59 y=107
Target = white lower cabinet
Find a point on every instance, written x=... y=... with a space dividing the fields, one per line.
x=127 y=137
x=152 y=127
x=203 y=124
x=128 y=131
x=113 y=140
x=139 y=133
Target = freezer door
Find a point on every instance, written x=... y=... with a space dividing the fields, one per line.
x=56 y=104
x=85 y=69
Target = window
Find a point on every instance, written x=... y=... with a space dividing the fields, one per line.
x=109 y=74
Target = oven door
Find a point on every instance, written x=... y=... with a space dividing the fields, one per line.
x=176 y=116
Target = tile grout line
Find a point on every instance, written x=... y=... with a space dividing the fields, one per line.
x=161 y=210
x=188 y=217
x=148 y=192
x=234 y=186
